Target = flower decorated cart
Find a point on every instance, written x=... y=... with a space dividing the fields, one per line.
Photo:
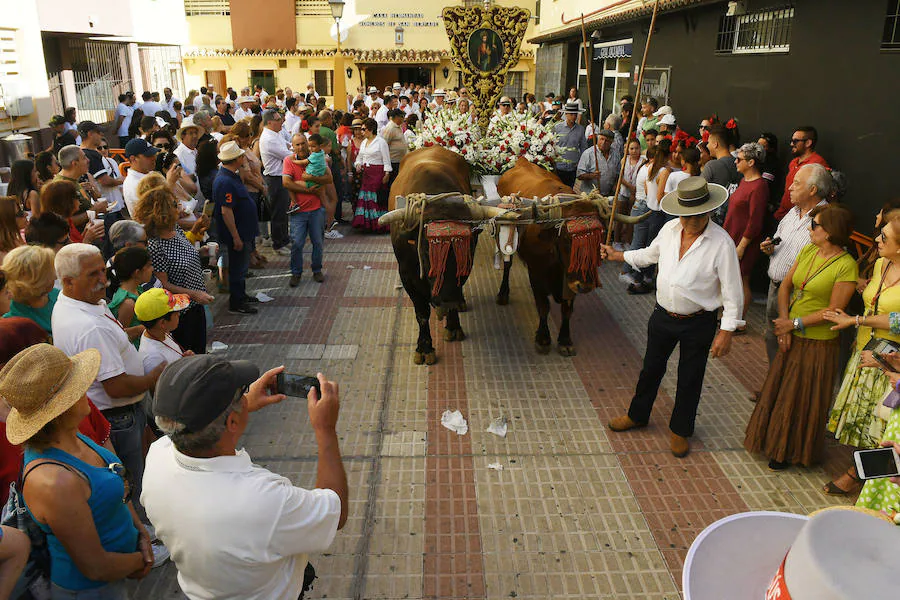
x=450 y=129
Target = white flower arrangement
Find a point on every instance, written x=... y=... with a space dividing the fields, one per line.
x=452 y=130
x=512 y=136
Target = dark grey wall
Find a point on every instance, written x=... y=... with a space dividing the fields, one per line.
x=835 y=77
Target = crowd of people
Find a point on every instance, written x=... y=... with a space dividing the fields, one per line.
x=107 y=276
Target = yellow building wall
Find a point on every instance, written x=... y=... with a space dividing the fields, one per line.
x=368 y=25
x=556 y=13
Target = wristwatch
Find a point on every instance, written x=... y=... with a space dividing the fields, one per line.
x=798 y=325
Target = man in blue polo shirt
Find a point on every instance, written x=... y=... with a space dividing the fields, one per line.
x=236 y=219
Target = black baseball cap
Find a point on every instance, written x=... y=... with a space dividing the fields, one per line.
x=195 y=390
x=86 y=127
x=139 y=146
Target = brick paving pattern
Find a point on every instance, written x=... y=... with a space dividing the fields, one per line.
x=576 y=512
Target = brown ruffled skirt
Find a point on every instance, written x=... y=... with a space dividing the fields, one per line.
x=788 y=424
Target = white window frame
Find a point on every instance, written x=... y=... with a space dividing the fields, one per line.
x=751 y=19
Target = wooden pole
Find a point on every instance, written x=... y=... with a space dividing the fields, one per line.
x=615 y=201
x=587 y=70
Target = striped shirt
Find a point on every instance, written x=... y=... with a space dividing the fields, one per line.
x=794 y=233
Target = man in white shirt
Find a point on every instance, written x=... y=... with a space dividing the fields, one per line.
x=372 y=97
x=150 y=107
x=81 y=320
x=381 y=117
x=124 y=112
x=438 y=96
x=273 y=148
x=186 y=150
x=811 y=186
x=262 y=94
x=142 y=157
x=169 y=102
x=698 y=274
x=255 y=545
x=198 y=99
x=311 y=89
x=243 y=109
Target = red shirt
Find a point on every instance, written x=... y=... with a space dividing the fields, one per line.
x=793 y=167
x=306 y=202
x=95 y=426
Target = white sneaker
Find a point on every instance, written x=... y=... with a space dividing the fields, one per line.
x=283 y=251
x=160 y=553
x=333 y=234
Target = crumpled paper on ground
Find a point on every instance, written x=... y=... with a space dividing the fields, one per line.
x=498 y=427
x=217 y=346
x=495 y=466
x=264 y=297
x=454 y=421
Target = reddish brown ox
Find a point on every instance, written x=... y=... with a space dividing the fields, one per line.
x=433 y=171
x=547 y=251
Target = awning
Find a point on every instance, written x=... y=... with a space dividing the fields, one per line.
x=610 y=16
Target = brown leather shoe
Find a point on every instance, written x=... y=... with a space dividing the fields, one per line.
x=679 y=445
x=319 y=277
x=624 y=423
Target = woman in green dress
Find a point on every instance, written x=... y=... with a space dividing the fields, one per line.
x=134 y=268
x=854 y=419
x=787 y=425
x=30 y=277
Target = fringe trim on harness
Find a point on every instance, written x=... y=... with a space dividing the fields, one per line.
x=442 y=235
x=586 y=233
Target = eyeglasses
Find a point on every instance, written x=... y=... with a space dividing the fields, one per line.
x=122 y=471
x=813 y=225
x=705 y=127
x=795 y=141
x=163 y=146
x=102 y=147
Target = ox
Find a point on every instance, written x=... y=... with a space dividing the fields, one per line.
x=434 y=171
x=547 y=249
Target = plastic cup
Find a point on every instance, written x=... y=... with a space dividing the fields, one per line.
x=91 y=214
x=213 y=249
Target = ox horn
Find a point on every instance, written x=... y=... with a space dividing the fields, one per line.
x=604 y=204
x=480 y=211
x=395 y=216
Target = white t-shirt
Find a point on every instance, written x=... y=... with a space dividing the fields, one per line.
x=252 y=547
x=674 y=179
x=169 y=105
x=112 y=193
x=187 y=157
x=640 y=183
x=129 y=189
x=126 y=112
x=151 y=108
x=240 y=113
x=78 y=326
x=153 y=353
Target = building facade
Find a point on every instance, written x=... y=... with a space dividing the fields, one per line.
x=772 y=67
x=293 y=42
x=58 y=54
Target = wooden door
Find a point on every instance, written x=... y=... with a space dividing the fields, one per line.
x=217 y=79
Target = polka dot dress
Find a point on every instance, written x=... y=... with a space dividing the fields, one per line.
x=178 y=259
x=881 y=494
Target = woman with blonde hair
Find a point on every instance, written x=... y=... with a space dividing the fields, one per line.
x=30 y=279
x=176 y=263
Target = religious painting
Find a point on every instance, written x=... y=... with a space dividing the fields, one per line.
x=485 y=49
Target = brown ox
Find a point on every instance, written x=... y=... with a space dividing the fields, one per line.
x=432 y=171
x=546 y=250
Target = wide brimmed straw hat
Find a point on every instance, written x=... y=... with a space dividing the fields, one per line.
x=830 y=555
x=357 y=124
x=571 y=108
x=230 y=151
x=244 y=99
x=693 y=196
x=40 y=383
x=185 y=126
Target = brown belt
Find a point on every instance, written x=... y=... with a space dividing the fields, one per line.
x=680 y=316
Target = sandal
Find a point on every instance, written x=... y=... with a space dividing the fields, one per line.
x=833 y=489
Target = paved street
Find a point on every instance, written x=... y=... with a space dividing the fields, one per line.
x=576 y=512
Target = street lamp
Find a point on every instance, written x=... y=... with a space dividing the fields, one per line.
x=339 y=83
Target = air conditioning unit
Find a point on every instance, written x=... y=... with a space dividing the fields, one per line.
x=20 y=106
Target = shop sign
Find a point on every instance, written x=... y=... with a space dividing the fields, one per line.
x=398 y=19
x=656 y=83
x=615 y=51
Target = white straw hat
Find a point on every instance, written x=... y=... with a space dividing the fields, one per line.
x=230 y=151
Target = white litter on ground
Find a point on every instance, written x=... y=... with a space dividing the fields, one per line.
x=367 y=268
x=264 y=297
x=454 y=421
x=495 y=466
x=498 y=427
x=217 y=347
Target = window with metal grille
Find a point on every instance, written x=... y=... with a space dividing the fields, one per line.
x=891 y=38
x=758 y=32
x=202 y=8
x=324 y=81
x=312 y=8
x=513 y=86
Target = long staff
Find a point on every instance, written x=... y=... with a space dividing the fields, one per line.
x=615 y=200
x=587 y=70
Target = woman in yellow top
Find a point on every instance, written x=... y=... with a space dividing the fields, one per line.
x=787 y=425
x=853 y=419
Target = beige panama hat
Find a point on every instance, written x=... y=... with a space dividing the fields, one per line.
x=40 y=383
x=230 y=151
x=693 y=196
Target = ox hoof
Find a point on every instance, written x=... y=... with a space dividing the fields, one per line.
x=542 y=348
x=502 y=299
x=454 y=335
x=430 y=358
x=418 y=358
x=463 y=307
x=425 y=358
x=567 y=350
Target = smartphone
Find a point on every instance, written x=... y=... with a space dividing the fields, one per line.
x=877 y=463
x=208 y=208
x=879 y=358
x=776 y=241
x=296 y=385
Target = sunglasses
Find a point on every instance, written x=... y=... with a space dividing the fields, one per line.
x=795 y=141
x=102 y=147
x=704 y=127
x=813 y=225
x=122 y=471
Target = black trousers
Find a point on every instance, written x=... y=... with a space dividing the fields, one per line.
x=567 y=177
x=695 y=334
x=339 y=191
x=280 y=200
x=191 y=331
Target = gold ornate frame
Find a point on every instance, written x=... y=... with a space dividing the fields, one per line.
x=509 y=23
